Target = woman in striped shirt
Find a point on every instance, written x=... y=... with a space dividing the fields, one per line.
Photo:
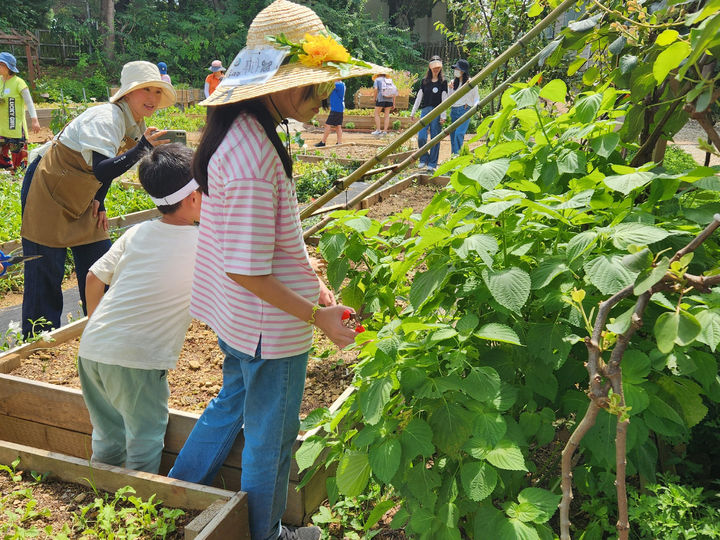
x=253 y=283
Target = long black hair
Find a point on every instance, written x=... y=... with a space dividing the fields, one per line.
x=429 y=75
x=458 y=82
x=220 y=119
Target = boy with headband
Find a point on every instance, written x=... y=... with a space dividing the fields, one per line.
x=136 y=330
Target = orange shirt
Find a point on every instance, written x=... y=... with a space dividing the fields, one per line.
x=213 y=82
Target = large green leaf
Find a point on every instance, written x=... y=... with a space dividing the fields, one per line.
x=636 y=397
x=498 y=332
x=482 y=383
x=332 y=245
x=546 y=271
x=374 y=398
x=353 y=473
x=666 y=331
x=489 y=427
x=555 y=90
x=687 y=395
x=308 y=452
x=647 y=278
x=587 y=108
x=507 y=455
x=580 y=244
x=489 y=174
x=710 y=323
x=337 y=269
x=483 y=244
x=641 y=234
x=703 y=37
x=605 y=144
x=669 y=59
x=635 y=366
x=625 y=183
x=571 y=161
x=608 y=274
x=416 y=439
x=478 y=479
x=385 y=459
x=451 y=425
x=526 y=97
x=426 y=283
x=545 y=501
x=510 y=288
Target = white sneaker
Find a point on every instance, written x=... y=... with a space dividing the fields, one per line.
x=376 y=132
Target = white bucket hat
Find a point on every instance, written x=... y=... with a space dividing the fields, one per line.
x=141 y=74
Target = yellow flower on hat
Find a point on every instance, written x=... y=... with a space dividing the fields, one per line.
x=320 y=49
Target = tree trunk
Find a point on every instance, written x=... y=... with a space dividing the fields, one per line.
x=107 y=16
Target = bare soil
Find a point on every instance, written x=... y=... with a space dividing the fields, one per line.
x=64 y=498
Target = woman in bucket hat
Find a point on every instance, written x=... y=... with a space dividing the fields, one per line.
x=216 y=74
x=14 y=98
x=64 y=188
x=254 y=284
x=461 y=72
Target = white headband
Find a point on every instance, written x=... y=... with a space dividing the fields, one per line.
x=178 y=196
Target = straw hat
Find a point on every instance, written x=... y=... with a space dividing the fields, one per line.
x=296 y=22
x=141 y=74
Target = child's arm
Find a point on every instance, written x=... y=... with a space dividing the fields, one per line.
x=275 y=292
x=94 y=291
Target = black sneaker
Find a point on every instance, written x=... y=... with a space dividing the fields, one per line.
x=299 y=533
x=320 y=144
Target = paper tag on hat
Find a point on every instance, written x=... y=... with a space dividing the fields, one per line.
x=253 y=66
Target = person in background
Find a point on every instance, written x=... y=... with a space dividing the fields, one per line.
x=382 y=105
x=211 y=81
x=335 y=118
x=14 y=99
x=254 y=284
x=149 y=271
x=433 y=91
x=162 y=66
x=63 y=192
x=461 y=73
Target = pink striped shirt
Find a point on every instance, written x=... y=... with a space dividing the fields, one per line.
x=250 y=225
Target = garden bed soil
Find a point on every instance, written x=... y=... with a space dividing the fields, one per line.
x=198 y=375
x=63 y=498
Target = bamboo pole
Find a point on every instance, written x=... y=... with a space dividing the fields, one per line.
x=511 y=51
x=395 y=169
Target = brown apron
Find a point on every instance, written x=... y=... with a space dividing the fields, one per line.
x=59 y=207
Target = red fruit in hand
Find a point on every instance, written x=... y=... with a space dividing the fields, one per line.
x=346 y=315
x=359 y=328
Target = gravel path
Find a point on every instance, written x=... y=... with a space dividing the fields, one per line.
x=687 y=139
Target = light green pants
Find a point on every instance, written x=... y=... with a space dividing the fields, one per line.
x=129 y=413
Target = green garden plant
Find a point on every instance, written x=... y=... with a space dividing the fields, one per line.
x=477 y=310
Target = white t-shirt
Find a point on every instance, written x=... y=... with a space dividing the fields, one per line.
x=142 y=319
x=101 y=129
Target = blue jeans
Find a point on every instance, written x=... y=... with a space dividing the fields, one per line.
x=429 y=158
x=129 y=412
x=457 y=137
x=265 y=396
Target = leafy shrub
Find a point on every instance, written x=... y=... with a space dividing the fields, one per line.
x=316 y=179
x=396 y=125
x=674 y=511
x=678 y=160
x=350 y=125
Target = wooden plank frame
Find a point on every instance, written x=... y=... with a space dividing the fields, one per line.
x=54 y=418
x=221 y=510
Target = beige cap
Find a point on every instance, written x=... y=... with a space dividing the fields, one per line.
x=142 y=74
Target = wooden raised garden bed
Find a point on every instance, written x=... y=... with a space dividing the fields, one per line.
x=54 y=418
x=365 y=122
x=364 y=99
x=223 y=513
